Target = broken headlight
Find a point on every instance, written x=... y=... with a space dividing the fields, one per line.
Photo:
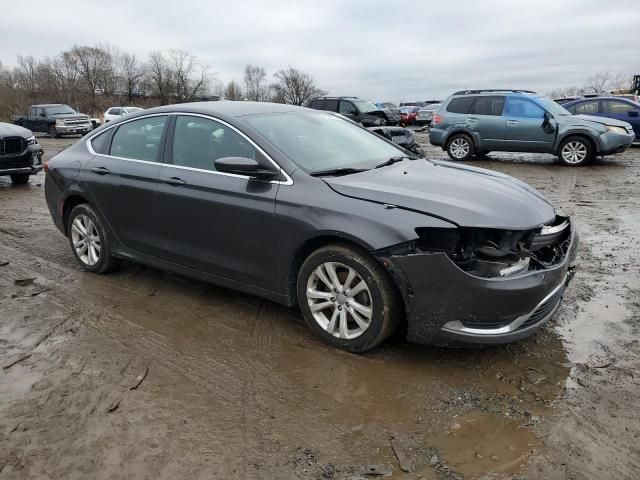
x=486 y=252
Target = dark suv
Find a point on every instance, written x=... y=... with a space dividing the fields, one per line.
x=475 y=122
x=360 y=111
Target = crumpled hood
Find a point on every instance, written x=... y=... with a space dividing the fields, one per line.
x=466 y=196
x=10 y=130
x=603 y=120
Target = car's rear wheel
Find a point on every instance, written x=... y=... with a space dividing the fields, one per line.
x=575 y=151
x=347 y=298
x=20 y=179
x=460 y=147
x=53 y=133
x=89 y=240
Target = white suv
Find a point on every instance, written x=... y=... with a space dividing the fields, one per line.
x=115 y=113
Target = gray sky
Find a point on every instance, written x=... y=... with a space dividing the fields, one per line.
x=370 y=48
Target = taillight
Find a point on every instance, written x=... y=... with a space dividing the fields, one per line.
x=45 y=165
x=437 y=119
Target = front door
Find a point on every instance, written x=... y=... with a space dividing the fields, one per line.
x=524 y=127
x=123 y=183
x=219 y=223
x=623 y=110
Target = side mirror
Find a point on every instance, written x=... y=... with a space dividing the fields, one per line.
x=633 y=113
x=243 y=166
x=547 y=117
x=547 y=126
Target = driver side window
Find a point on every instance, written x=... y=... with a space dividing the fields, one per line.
x=347 y=108
x=198 y=142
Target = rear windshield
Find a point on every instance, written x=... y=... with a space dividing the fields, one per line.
x=460 y=104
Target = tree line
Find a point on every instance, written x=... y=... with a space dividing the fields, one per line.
x=599 y=82
x=93 y=78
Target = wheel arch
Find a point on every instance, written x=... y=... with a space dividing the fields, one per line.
x=68 y=204
x=465 y=131
x=588 y=136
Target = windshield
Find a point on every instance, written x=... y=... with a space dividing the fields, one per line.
x=318 y=141
x=366 y=106
x=59 y=110
x=552 y=107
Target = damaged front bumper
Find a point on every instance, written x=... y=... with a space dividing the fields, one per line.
x=447 y=306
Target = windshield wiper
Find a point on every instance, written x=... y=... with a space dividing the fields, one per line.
x=337 y=171
x=393 y=160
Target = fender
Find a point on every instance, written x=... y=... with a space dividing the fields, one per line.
x=576 y=130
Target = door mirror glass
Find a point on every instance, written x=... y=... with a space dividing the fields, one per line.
x=242 y=166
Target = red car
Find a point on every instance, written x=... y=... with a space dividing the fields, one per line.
x=408 y=115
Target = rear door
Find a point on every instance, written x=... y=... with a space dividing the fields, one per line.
x=486 y=119
x=123 y=182
x=349 y=110
x=524 y=132
x=623 y=110
x=223 y=224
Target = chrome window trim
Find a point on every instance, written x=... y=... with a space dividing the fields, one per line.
x=288 y=181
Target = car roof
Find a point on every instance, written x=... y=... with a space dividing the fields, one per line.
x=591 y=99
x=227 y=108
x=51 y=105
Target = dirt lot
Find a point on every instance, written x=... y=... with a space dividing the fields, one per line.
x=144 y=374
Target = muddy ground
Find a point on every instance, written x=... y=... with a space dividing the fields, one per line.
x=145 y=374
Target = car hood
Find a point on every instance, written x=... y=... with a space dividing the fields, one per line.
x=466 y=196
x=71 y=116
x=9 y=130
x=602 y=120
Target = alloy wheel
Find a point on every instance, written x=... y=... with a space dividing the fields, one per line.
x=85 y=238
x=459 y=148
x=339 y=300
x=574 y=152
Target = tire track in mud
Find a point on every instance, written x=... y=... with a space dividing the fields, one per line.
x=239 y=377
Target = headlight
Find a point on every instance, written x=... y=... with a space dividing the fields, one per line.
x=59 y=121
x=619 y=130
x=31 y=140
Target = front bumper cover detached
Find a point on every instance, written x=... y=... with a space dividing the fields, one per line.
x=447 y=306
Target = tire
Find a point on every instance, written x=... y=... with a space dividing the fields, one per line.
x=341 y=323
x=575 y=151
x=20 y=178
x=83 y=217
x=460 y=147
x=53 y=133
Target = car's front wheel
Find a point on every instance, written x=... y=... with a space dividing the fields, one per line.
x=89 y=240
x=460 y=147
x=347 y=298
x=53 y=133
x=575 y=151
x=20 y=178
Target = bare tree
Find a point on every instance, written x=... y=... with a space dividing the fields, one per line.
x=255 y=83
x=622 y=82
x=295 y=87
x=94 y=65
x=189 y=75
x=233 y=91
x=131 y=72
x=26 y=76
x=160 y=77
x=598 y=82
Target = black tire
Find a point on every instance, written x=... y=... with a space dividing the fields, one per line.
x=106 y=262
x=53 y=133
x=460 y=147
x=383 y=299
x=575 y=151
x=20 y=178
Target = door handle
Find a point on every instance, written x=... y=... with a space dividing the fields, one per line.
x=173 y=181
x=512 y=122
x=101 y=170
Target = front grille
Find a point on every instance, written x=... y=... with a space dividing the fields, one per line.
x=76 y=122
x=12 y=146
x=14 y=162
x=543 y=310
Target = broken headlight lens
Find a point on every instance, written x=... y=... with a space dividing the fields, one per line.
x=619 y=130
x=31 y=140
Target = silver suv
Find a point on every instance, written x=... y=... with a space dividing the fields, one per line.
x=476 y=122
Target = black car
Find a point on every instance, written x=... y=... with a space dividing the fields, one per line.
x=303 y=207
x=360 y=111
x=20 y=153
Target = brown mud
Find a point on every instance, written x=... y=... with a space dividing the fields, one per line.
x=145 y=374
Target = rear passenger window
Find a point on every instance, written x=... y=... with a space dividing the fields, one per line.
x=488 y=106
x=330 y=105
x=317 y=104
x=100 y=143
x=587 y=107
x=140 y=139
x=523 y=108
x=460 y=104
